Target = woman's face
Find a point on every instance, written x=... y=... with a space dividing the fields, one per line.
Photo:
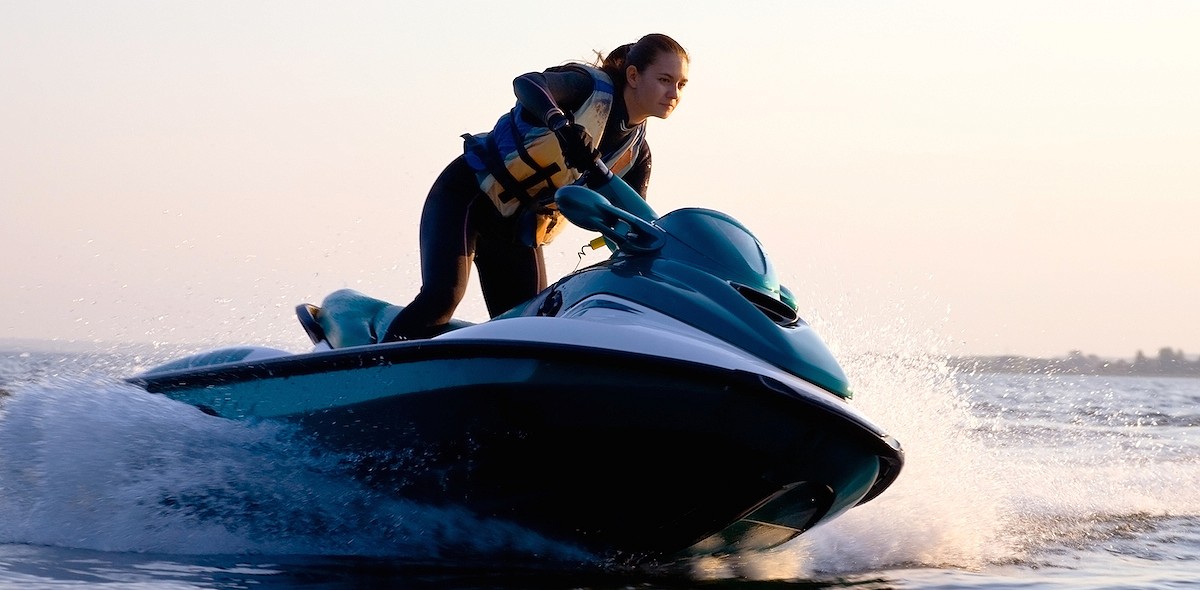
x=655 y=91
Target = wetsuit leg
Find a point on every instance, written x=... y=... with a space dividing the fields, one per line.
x=448 y=240
x=509 y=271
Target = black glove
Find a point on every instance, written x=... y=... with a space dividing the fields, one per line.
x=575 y=142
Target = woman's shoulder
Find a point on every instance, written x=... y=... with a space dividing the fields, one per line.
x=574 y=67
x=575 y=74
x=570 y=84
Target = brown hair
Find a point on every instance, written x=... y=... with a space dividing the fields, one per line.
x=639 y=55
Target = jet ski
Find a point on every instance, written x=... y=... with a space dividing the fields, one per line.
x=666 y=402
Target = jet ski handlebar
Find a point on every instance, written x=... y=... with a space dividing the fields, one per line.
x=591 y=210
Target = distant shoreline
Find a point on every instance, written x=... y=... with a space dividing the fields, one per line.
x=1168 y=363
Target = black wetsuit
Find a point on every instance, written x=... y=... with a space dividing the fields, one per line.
x=460 y=225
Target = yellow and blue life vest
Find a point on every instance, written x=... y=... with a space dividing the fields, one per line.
x=520 y=164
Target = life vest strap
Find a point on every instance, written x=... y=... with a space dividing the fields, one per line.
x=489 y=155
x=540 y=174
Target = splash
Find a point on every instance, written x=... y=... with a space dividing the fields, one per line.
x=1000 y=470
x=96 y=464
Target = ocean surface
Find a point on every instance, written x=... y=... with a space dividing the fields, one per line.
x=1012 y=481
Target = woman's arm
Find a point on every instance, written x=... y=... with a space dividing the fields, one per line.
x=561 y=88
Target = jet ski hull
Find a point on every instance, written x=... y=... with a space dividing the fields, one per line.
x=616 y=452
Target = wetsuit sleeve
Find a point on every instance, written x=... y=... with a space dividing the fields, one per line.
x=638 y=176
x=564 y=88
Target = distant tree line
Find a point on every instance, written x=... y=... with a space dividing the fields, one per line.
x=1169 y=362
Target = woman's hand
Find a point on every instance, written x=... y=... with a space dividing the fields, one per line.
x=574 y=140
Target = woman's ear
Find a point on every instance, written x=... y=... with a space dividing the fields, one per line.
x=631 y=76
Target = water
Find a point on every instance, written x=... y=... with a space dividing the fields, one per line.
x=1012 y=481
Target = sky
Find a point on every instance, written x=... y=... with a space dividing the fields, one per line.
x=1015 y=177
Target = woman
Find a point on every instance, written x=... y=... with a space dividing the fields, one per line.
x=494 y=204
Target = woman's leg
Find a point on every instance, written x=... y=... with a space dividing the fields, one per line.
x=448 y=240
x=509 y=272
